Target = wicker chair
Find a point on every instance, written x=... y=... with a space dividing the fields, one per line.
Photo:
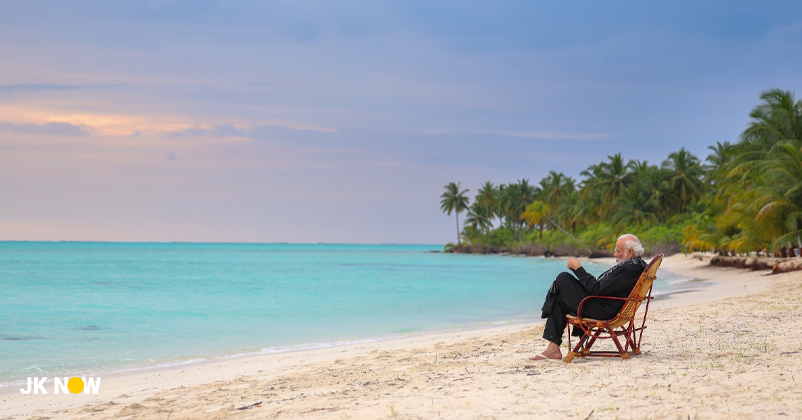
x=622 y=325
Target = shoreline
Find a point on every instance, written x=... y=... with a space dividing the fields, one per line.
x=10 y=387
x=498 y=327
x=136 y=388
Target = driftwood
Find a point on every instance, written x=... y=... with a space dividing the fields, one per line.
x=787 y=266
x=321 y=409
x=245 y=407
x=776 y=265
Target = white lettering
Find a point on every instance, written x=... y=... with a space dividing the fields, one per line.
x=37 y=385
x=58 y=384
x=91 y=385
x=26 y=391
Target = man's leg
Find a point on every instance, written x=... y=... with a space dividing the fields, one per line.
x=569 y=293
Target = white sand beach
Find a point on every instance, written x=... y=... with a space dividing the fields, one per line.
x=731 y=350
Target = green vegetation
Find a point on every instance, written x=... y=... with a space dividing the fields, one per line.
x=744 y=197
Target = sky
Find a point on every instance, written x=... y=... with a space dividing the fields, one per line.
x=341 y=121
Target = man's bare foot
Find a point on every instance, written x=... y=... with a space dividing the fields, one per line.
x=543 y=356
x=552 y=352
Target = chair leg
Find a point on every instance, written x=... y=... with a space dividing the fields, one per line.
x=629 y=334
x=632 y=344
x=628 y=344
x=575 y=352
x=633 y=337
x=571 y=352
x=624 y=354
x=568 y=330
x=638 y=336
x=592 y=339
x=630 y=347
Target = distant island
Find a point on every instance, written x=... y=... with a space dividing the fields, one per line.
x=744 y=198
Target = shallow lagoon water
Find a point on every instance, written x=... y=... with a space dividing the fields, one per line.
x=75 y=308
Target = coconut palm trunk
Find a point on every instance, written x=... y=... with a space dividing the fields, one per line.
x=458 y=240
x=487 y=229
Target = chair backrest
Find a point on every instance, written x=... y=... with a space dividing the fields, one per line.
x=640 y=292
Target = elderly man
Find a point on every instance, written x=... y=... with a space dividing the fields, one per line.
x=567 y=291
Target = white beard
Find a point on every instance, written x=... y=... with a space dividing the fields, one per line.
x=620 y=260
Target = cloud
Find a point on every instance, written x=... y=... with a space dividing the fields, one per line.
x=37 y=87
x=226 y=130
x=268 y=131
x=171 y=156
x=51 y=128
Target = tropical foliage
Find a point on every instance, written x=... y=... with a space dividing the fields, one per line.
x=744 y=197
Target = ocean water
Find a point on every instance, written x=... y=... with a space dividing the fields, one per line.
x=74 y=308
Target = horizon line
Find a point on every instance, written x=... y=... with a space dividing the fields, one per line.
x=209 y=242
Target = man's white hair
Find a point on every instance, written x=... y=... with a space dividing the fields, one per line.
x=632 y=242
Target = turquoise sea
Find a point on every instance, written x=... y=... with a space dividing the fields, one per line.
x=73 y=308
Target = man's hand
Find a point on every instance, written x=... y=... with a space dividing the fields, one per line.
x=574 y=263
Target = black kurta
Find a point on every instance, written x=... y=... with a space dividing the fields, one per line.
x=568 y=291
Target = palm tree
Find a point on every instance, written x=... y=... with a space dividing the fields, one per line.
x=779 y=117
x=487 y=196
x=603 y=183
x=554 y=188
x=742 y=226
x=638 y=167
x=721 y=156
x=478 y=218
x=513 y=199
x=686 y=176
x=570 y=207
x=632 y=209
x=757 y=202
x=779 y=195
x=654 y=182
x=454 y=200
x=692 y=236
x=526 y=193
x=536 y=213
x=591 y=211
x=716 y=169
x=615 y=178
